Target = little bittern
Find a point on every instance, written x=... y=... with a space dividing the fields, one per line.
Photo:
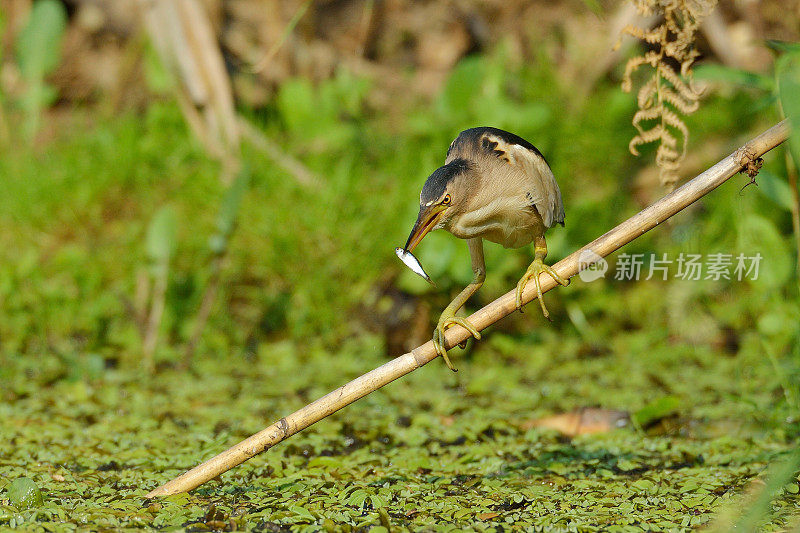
x=496 y=186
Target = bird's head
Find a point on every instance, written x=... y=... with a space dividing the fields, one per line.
x=443 y=196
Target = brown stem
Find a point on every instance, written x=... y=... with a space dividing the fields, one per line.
x=154 y=319
x=286 y=161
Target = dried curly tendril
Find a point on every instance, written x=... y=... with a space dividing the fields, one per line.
x=666 y=94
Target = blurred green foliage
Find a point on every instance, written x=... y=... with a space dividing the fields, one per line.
x=38 y=50
x=788 y=73
x=229 y=212
x=705 y=366
x=751 y=512
x=160 y=241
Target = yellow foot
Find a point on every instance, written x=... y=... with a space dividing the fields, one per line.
x=438 y=335
x=533 y=272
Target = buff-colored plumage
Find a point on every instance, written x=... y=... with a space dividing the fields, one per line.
x=510 y=194
x=496 y=186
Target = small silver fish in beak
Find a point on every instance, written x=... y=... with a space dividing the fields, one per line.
x=413 y=263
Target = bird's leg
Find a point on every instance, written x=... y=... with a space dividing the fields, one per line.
x=533 y=272
x=448 y=317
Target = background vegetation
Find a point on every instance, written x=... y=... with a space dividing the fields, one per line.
x=117 y=226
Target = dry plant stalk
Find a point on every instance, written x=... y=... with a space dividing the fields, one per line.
x=157 y=304
x=667 y=93
x=184 y=38
x=286 y=161
x=745 y=157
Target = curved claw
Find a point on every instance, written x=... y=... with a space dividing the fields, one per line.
x=439 y=337
x=534 y=271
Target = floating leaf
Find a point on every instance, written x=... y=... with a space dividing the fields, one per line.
x=302 y=513
x=23 y=493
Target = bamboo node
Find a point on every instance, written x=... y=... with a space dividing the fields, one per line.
x=419 y=358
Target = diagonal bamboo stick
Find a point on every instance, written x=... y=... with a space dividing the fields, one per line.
x=742 y=159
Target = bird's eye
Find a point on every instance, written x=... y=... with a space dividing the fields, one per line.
x=446 y=200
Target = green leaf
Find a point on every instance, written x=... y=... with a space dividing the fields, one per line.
x=594 y=6
x=656 y=410
x=377 y=502
x=758 y=235
x=734 y=76
x=783 y=46
x=38 y=52
x=357 y=498
x=788 y=73
x=302 y=513
x=643 y=484
x=229 y=210
x=232 y=200
x=464 y=84
x=298 y=108
x=24 y=494
x=39 y=42
x=775 y=188
x=161 y=235
x=158 y=77
x=778 y=476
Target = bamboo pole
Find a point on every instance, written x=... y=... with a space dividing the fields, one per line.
x=745 y=158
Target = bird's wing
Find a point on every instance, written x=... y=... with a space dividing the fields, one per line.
x=545 y=195
x=521 y=156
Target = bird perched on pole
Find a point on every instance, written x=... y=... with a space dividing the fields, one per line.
x=496 y=186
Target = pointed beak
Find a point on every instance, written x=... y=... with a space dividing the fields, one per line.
x=426 y=221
